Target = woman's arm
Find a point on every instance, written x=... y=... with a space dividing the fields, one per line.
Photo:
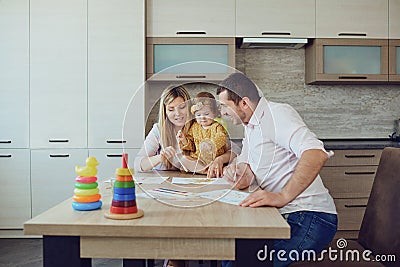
x=148 y=156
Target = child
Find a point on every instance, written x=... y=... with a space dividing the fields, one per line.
x=206 y=139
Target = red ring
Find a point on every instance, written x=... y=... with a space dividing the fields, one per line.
x=86 y=180
x=123 y=210
x=116 y=203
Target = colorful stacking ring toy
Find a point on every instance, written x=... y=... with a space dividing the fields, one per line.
x=86 y=180
x=124 y=178
x=123 y=210
x=86 y=186
x=116 y=203
x=124 y=172
x=118 y=184
x=86 y=206
x=124 y=191
x=119 y=197
x=86 y=192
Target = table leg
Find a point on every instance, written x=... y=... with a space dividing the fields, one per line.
x=133 y=263
x=253 y=252
x=63 y=251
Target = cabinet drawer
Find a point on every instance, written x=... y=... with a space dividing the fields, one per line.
x=355 y=157
x=349 y=181
x=350 y=213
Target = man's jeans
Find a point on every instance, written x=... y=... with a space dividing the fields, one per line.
x=309 y=230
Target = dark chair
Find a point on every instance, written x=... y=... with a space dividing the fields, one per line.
x=380 y=228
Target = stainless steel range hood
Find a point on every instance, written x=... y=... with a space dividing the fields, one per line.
x=284 y=43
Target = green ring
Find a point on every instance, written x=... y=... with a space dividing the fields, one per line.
x=118 y=184
x=86 y=186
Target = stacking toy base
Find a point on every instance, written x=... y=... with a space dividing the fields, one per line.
x=131 y=216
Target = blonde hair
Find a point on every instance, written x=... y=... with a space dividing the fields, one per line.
x=205 y=99
x=167 y=133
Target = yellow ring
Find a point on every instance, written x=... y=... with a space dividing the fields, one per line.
x=86 y=192
x=124 y=172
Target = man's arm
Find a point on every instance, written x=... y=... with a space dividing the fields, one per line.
x=307 y=169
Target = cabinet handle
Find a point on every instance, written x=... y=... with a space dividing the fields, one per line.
x=191 y=32
x=59 y=155
x=353 y=77
x=358 y=173
x=6 y=156
x=355 y=206
x=277 y=33
x=5 y=141
x=191 y=76
x=58 y=140
x=114 y=155
x=359 y=156
x=116 y=141
x=352 y=34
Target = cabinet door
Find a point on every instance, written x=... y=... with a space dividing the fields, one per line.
x=394 y=19
x=352 y=19
x=191 y=18
x=273 y=18
x=58 y=46
x=116 y=42
x=15 y=194
x=347 y=61
x=394 y=60
x=14 y=74
x=111 y=159
x=53 y=176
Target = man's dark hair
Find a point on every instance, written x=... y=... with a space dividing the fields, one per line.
x=238 y=86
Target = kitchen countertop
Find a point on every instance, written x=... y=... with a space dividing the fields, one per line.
x=372 y=143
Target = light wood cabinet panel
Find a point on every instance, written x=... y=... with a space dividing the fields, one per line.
x=116 y=45
x=352 y=19
x=190 y=18
x=347 y=61
x=53 y=176
x=350 y=213
x=394 y=19
x=273 y=18
x=355 y=157
x=58 y=74
x=15 y=197
x=14 y=74
x=394 y=61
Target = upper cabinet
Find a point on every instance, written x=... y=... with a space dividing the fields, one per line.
x=394 y=19
x=273 y=18
x=191 y=18
x=352 y=19
x=394 y=60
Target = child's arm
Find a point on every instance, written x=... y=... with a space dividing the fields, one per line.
x=186 y=142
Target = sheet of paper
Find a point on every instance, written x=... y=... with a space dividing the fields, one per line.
x=150 y=180
x=162 y=194
x=180 y=180
x=226 y=195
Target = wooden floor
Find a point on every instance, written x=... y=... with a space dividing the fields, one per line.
x=27 y=252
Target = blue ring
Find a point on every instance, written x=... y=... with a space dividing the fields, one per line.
x=124 y=191
x=120 y=197
x=86 y=205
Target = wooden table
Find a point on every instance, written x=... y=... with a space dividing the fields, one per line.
x=210 y=231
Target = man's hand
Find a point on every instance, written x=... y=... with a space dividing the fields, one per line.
x=239 y=174
x=264 y=198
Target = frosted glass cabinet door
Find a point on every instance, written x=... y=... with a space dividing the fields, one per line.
x=58 y=80
x=53 y=176
x=15 y=195
x=14 y=74
x=116 y=41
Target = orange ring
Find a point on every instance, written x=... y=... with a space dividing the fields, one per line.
x=120 y=178
x=91 y=198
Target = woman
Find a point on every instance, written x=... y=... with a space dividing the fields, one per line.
x=160 y=146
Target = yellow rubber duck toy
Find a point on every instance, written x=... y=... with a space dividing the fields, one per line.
x=89 y=170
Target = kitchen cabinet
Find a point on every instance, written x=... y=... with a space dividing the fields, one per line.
x=14 y=74
x=111 y=159
x=116 y=44
x=58 y=74
x=349 y=176
x=394 y=61
x=271 y=18
x=190 y=18
x=346 y=61
x=394 y=19
x=352 y=19
x=53 y=176
x=15 y=197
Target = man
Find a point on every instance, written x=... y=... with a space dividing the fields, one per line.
x=285 y=160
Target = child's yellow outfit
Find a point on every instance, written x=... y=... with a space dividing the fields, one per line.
x=215 y=135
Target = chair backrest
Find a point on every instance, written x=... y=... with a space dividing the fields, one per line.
x=380 y=228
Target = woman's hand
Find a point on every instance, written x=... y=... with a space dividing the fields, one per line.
x=168 y=153
x=215 y=168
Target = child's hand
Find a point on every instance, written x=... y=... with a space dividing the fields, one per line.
x=181 y=137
